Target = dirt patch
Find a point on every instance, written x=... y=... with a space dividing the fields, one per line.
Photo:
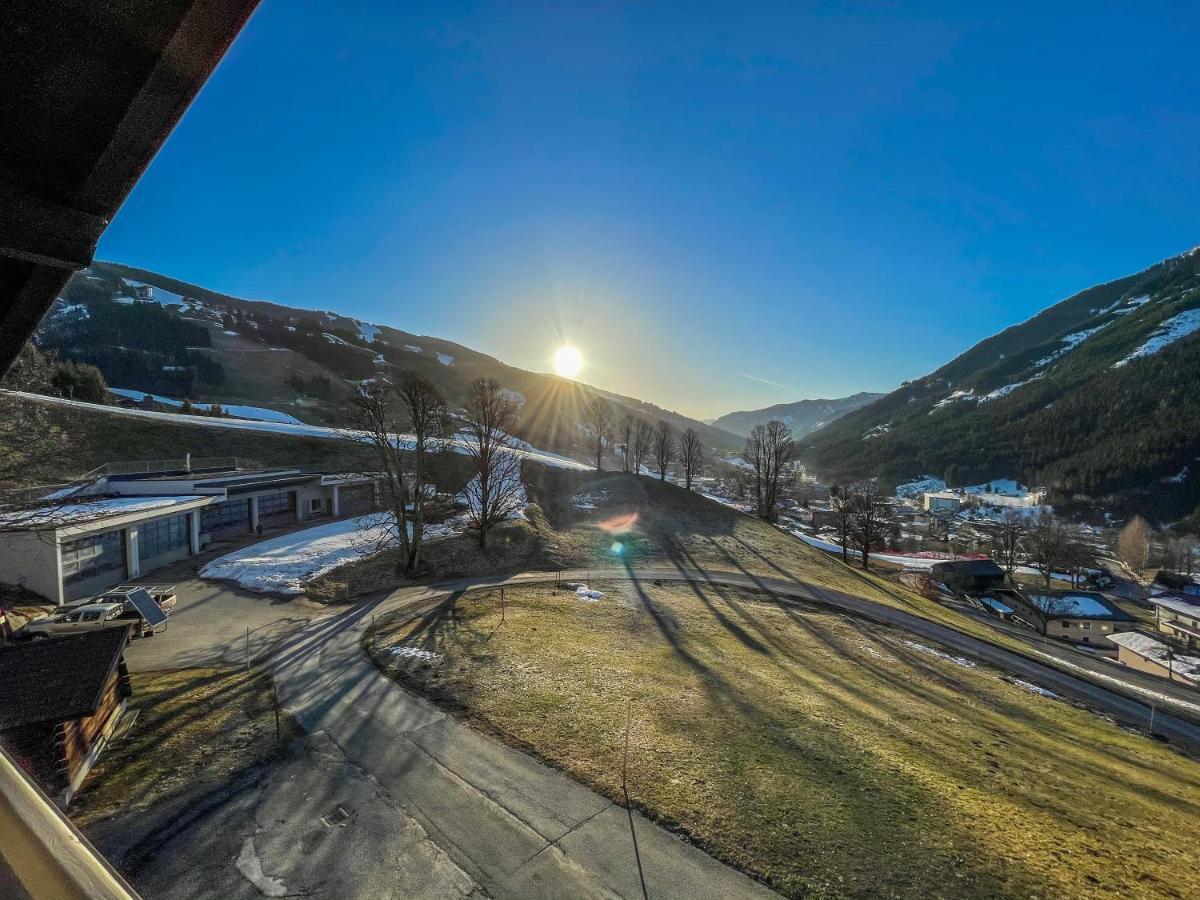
x=195 y=730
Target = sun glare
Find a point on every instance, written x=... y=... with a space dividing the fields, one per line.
x=568 y=362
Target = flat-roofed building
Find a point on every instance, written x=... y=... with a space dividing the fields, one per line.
x=127 y=523
x=1178 y=616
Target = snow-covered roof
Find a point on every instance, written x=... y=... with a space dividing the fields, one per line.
x=79 y=513
x=1177 y=603
x=1156 y=651
x=1076 y=605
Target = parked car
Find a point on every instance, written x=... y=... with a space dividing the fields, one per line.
x=74 y=620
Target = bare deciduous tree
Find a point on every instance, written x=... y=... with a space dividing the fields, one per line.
x=841 y=502
x=664 y=447
x=385 y=413
x=495 y=492
x=871 y=519
x=643 y=437
x=626 y=429
x=1133 y=544
x=598 y=416
x=1048 y=545
x=691 y=456
x=770 y=450
x=1007 y=540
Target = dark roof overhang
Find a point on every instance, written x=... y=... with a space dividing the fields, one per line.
x=89 y=92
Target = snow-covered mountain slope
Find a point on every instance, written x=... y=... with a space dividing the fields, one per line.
x=1096 y=397
x=803 y=416
x=149 y=333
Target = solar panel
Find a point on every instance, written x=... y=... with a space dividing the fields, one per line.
x=145 y=605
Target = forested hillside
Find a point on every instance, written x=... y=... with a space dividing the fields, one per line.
x=1097 y=398
x=154 y=334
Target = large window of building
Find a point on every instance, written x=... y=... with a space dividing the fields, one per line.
x=276 y=504
x=162 y=536
x=223 y=515
x=94 y=555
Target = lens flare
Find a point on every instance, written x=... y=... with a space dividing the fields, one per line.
x=568 y=362
x=619 y=524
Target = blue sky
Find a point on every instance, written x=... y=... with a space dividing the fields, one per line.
x=724 y=205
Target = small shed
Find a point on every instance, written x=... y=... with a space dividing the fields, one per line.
x=63 y=699
x=970 y=576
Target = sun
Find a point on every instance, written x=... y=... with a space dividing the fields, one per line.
x=568 y=362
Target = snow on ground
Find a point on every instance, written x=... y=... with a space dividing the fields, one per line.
x=368 y=332
x=287 y=428
x=968 y=394
x=1070 y=342
x=1168 y=332
x=1035 y=688
x=589 y=501
x=918 y=486
x=958 y=660
x=74 y=514
x=425 y=656
x=877 y=431
x=512 y=492
x=587 y=595
x=259 y=413
x=334 y=339
x=445 y=359
x=515 y=396
x=412 y=348
x=1007 y=389
x=284 y=565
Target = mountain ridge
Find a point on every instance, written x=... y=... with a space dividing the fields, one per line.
x=1097 y=397
x=191 y=341
x=803 y=416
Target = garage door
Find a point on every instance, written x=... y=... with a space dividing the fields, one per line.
x=162 y=541
x=356 y=499
x=225 y=519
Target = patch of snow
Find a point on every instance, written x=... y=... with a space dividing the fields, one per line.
x=913 y=489
x=1179 y=477
x=590 y=596
x=1035 y=688
x=1168 y=332
x=968 y=394
x=515 y=396
x=412 y=348
x=1005 y=486
x=232 y=333
x=76 y=513
x=445 y=359
x=589 y=501
x=957 y=660
x=318 y=431
x=877 y=431
x=368 y=332
x=258 y=413
x=1007 y=389
x=334 y=339
x=406 y=652
x=1070 y=342
x=286 y=564
x=73 y=309
x=514 y=492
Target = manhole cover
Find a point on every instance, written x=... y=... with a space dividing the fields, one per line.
x=339 y=816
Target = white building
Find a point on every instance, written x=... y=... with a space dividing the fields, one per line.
x=128 y=522
x=941 y=501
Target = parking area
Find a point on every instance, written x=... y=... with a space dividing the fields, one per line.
x=214 y=623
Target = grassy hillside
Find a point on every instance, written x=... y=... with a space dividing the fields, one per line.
x=826 y=755
x=214 y=347
x=1055 y=401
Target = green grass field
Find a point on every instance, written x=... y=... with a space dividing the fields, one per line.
x=823 y=754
